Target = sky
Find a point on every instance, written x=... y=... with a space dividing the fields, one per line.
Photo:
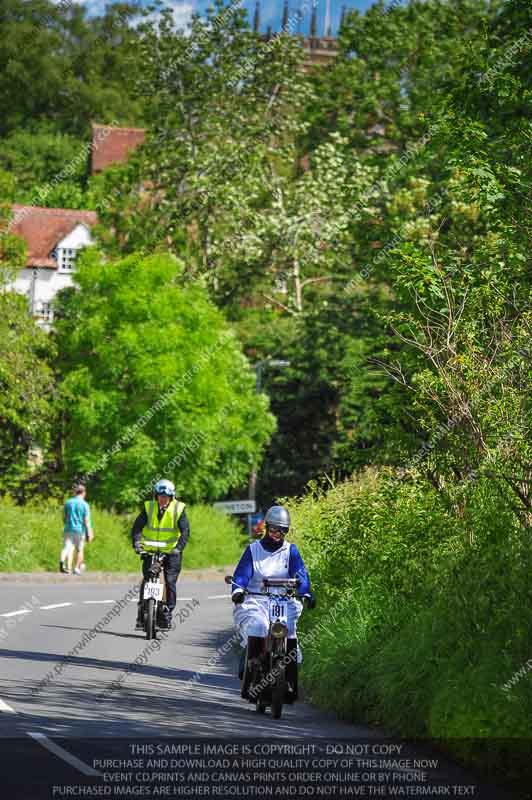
x=271 y=10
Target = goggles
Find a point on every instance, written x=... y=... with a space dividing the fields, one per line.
x=278 y=529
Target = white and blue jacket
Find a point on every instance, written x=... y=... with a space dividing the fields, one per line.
x=259 y=561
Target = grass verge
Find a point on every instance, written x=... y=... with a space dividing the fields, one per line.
x=31 y=539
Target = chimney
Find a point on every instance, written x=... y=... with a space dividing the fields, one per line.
x=344 y=16
x=327 y=21
x=314 y=20
x=299 y=13
x=256 y=17
x=284 y=24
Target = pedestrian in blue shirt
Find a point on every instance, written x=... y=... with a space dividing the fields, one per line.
x=77 y=527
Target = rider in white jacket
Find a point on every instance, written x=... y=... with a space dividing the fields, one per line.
x=271 y=557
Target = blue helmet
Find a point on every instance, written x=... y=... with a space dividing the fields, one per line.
x=164 y=487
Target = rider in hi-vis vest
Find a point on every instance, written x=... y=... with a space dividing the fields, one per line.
x=161 y=533
x=163 y=526
x=271 y=557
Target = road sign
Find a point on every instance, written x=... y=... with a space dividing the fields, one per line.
x=236 y=506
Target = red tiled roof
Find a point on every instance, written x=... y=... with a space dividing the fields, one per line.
x=111 y=145
x=43 y=228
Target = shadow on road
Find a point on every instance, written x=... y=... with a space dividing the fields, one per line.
x=102 y=696
x=148 y=670
x=86 y=699
x=138 y=635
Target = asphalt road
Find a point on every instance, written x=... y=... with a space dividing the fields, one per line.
x=113 y=692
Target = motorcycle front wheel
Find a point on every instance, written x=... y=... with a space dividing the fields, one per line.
x=150 y=618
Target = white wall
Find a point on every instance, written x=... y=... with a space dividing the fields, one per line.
x=79 y=237
x=49 y=281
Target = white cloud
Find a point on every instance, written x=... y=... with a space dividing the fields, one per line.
x=94 y=7
x=182 y=12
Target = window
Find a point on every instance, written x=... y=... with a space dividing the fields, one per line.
x=46 y=312
x=66 y=259
x=280 y=284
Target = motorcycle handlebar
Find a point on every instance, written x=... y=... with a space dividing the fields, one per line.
x=288 y=583
x=271 y=594
x=291 y=592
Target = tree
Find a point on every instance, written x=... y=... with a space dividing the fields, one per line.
x=13 y=249
x=394 y=62
x=34 y=158
x=27 y=397
x=320 y=209
x=463 y=286
x=59 y=66
x=153 y=383
x=223 y=116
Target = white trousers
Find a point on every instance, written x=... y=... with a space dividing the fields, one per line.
x=252 y=617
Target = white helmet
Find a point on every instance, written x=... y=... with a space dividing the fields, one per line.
x=164 y=487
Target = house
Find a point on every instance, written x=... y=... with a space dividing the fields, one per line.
x=53 y=238
x=112 y=145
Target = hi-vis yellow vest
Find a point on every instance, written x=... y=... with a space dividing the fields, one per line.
x=161 y=534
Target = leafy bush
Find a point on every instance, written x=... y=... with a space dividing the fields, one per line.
x=437 y=619
x=32 y=539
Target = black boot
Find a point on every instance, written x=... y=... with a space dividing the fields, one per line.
x=139 y=624
x=255 y=646
x=291 y=671
x=242 y=664
x=254 y=650
x=164 y=618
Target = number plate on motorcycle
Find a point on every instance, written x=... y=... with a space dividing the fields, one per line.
x=153 y=589
x=278 y=609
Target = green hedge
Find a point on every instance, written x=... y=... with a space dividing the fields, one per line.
x=438 y=614
x=31 y=539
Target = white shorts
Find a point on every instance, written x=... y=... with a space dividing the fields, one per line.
x=252 y=619
x=72 y=539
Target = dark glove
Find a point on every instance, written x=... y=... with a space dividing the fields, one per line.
x=238 y=596
x=309 y=600
x=138 y=548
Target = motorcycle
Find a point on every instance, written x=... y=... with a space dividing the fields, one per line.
x=154 y=592
x=264 y=680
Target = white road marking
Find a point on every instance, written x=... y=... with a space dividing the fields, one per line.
x=55 y=605
x=88 y=602
x=15 y=613
x=4 y=707
x=219 y=597
x=60 y=752
x=135 y=599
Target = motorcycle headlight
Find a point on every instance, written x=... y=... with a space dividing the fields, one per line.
x=278 y=630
